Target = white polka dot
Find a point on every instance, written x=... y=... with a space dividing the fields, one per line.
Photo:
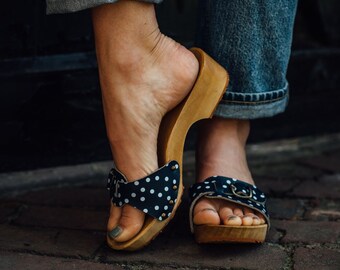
x=145 y=210
x=244 y=191
x=176 y=166
x=166 y=207
x=168 y=198
x=120 y=203
x=215 y=176
x=156 y=207
x=152 y=191
x=229 y=197
x=147 y=180
x=206 y=182
x=228 y=182
x=174 y=181
x=169 y=214
x=160 y=195
x=142 y=189
x=199 y=187
x=258 y=204
x=255 y=198
x=133 y=195
x=224 y=186
x=136 y=183
x=142 y=199
x=160 y=218
x=126 y=200
x=166 y=179
x=194 y=194
x=207 y=187
x=254 y=191
x=234 y=179
x=166 y=188
x=119 y=195
x=262 y=196
x=157 y=178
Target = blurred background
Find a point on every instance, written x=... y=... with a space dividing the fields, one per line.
x=50 y=103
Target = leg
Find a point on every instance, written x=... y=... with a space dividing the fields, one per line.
x=254 y=47
x=143 y=75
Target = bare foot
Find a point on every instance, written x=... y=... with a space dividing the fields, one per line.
x=143 y=75
x=221 y=151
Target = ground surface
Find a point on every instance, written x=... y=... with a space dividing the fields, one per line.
x=55 y=218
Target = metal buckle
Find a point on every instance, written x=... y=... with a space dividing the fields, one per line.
x=240 y=193
x=117 y=186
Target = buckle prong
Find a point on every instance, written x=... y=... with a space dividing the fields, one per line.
x=240 y=193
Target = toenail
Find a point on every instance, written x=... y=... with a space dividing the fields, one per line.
x=232 y=217
x=115 y=232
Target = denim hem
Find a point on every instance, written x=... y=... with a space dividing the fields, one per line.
x=252 y=110
x=66 y=6
x=255 y=98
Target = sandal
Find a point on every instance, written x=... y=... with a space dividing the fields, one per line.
x=234 y=191
x=159 y=194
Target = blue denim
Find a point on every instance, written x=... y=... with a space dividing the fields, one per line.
x=64 y=6
x=250 y=38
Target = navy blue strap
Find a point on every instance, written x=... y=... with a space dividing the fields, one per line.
x=155 y=194
x=232 y=190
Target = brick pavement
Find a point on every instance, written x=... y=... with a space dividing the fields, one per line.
x=63 y=226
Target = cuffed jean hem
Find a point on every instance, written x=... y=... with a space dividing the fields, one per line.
x=253 y=106
x=66 y=6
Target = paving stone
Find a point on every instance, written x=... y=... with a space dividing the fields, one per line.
x=66 y=196
x=316 y=258
x=284 y=170
x=7 y=210
x=324 y=188
x=50 y=241
x=285 y=208
x=329 y=162
x=10 y=260
x=309 y=232
x=69 y=218
x=276 y=186
x=184 y=252
x=323 y=210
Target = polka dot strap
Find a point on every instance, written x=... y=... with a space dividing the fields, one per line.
x=229 y=189
x=155 y=194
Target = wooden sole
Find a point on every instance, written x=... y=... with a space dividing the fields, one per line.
x=200 y=103
x=230 y=234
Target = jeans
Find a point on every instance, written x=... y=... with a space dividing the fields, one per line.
x=251 y=39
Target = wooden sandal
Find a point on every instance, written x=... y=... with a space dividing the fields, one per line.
x=159 y=194
x=237 y=192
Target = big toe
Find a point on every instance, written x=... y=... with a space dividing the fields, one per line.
x=127 y=225
x=205 y=213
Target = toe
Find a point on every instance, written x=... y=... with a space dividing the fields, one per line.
x=130 y=223
x=228 y=216
x=247 y=220
x=115 y=213
x=232 y=220
x=238 y=212
x=256 y=220
x=205 y=213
